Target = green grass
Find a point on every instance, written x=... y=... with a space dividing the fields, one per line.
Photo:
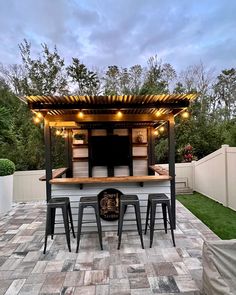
x=221 y=220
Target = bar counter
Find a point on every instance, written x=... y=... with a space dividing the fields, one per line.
x=116 y=179
x=142 y=186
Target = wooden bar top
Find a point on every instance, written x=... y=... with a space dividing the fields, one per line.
x=55 y=173
x=117 y=179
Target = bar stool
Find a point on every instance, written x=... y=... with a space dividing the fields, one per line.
x=64 y=205
x=126 y=200
x=88 y=202
x=153 y=200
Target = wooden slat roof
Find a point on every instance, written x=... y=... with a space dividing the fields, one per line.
x=129 y=104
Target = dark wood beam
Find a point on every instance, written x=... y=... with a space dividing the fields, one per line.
x=171 y=150
x=48 y=161
x=87 y=118
x=107 y=106
x=151 y=149
x=68 y=146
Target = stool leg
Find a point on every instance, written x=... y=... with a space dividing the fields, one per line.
x=71 y=220
x=152 y=222
x=98 y=225
x=48 y=228
x=119 y=220
x=139 y=224
x=66 y=225
x=80 y=218
x=53 y=214
x=121 y=217
x=164 y=216
x=147 y=216
x=171 y=223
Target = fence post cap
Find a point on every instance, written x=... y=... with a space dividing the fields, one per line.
x=224 y=145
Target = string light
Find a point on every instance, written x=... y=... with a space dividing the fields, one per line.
x=185 y=115
x=162 y=129
x=39 y=115
x=36 y=120
x=58 y=132
x=156 y=133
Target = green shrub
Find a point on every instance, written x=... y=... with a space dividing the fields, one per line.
x=7 y=167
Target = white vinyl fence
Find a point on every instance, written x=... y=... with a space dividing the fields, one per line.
x=213 y=176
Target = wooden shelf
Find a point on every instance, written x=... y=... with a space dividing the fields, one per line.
x=80 y=145
x=80 y=159
x=140 y=157
x=139 y=144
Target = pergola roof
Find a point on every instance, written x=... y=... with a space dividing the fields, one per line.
x=96 y=109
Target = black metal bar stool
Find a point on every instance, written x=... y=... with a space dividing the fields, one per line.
x=88 y=202
x=126 y=200
x=153 y=200
x=64 y=205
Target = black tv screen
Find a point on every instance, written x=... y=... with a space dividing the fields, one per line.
x=110 y=150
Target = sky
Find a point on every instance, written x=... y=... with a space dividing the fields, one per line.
x=123 y=32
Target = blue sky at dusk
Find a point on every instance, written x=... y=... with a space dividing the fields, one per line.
x=108 y=32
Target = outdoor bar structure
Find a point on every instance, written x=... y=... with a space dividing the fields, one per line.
x=110 y=147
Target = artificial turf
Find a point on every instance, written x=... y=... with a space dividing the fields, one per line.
x=221 y=220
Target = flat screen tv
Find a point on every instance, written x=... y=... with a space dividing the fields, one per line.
x=113 y=150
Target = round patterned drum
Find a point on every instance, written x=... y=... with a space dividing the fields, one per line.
x=109 y=204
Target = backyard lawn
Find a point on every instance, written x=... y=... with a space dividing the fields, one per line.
x=221 y=220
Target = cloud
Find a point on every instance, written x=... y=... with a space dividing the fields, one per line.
x=107 y=32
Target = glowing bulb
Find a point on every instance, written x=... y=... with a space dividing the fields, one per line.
x=162 y=129
x=185 y=115
x=156 y=132
x=158 y=113
x=119 y=114
x=80 y=114
x=36 y=120
x=39 y=115
x=58 y=132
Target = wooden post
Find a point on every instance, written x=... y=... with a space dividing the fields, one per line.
x=171 y=143
x=69 y=139
x=48 y=161
x=151 y=150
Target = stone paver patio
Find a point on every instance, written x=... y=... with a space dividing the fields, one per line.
x=25 y=270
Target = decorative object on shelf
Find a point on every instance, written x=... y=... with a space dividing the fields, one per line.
x=140 y=137
x=79 y=138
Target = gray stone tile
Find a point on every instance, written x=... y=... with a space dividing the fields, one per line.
x=30 y=289
x=74 y=279
x=131 y=270
x=85 y=290
x=15 y=287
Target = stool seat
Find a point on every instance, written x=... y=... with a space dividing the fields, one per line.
x=62 y=203
x=88 y=202
x=126 y=200
x=58 y=201
x=153 y=201
x=129 y=198
x=158 y=197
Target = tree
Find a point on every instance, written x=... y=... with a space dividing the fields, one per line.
x=87 y=82
x=43 y=76
x=157 y=77
x=111 y=80
x=225 y=94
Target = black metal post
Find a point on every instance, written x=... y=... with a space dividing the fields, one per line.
x=151 y=150
x=48 y=161
x=171 y=143
x=69 y=139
